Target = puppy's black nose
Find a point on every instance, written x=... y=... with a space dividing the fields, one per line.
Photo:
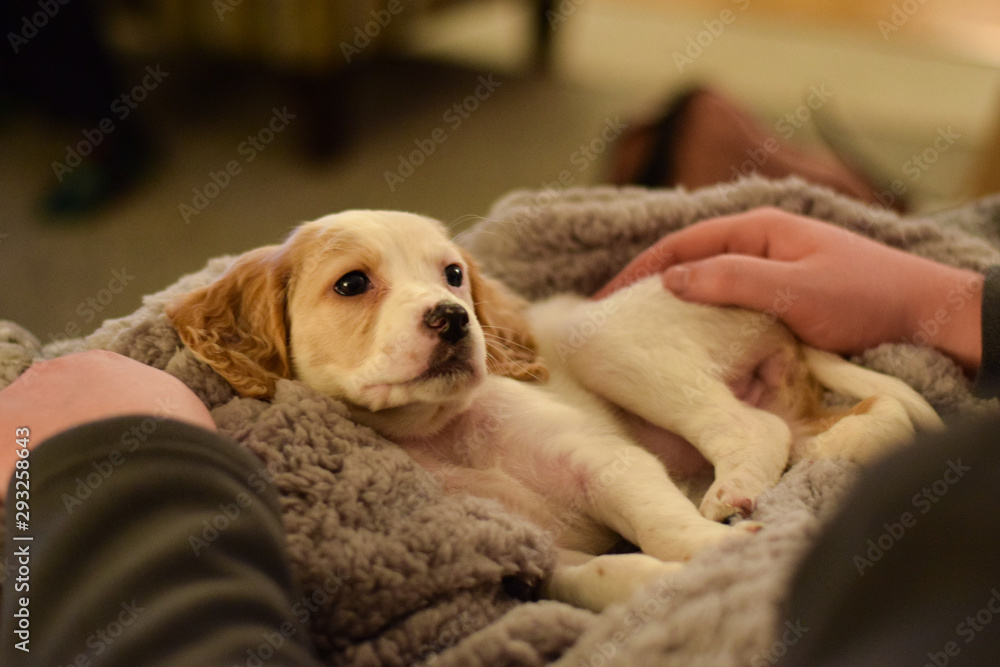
x=449 y=320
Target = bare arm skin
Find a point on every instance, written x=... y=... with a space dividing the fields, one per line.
x=53 y=396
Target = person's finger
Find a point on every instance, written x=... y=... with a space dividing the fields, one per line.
x=748 y=233
x=730 y=280
x=651 y=261
x=743 y=234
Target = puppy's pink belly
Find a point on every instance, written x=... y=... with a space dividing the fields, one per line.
x=761 y=383
x=678 y=455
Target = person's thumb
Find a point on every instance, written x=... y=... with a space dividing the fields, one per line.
x=727 y=280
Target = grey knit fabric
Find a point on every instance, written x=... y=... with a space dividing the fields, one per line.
x=399 y=573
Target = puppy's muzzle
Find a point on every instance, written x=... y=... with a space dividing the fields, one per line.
x=449 y=320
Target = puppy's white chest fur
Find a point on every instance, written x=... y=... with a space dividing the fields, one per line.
x=519 y=445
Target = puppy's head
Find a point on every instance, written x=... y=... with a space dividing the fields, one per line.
x=376 y=308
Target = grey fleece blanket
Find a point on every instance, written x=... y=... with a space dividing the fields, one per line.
x=400 y=573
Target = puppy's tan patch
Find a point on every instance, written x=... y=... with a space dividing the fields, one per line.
x=510 y=346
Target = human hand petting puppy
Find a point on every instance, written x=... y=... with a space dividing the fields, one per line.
x=56 y=395
x=836 y=290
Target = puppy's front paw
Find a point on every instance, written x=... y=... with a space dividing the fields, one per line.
x=732 y=495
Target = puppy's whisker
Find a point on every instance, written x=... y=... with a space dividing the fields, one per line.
x=500 y=331
x=506 y=342
x=497 y=326
x=470 y=227
x=501 y=328
x=509 y=353
x=517 y=364
x=481 y=302
x=506 y=353
x=468 y=220
x=510 y=360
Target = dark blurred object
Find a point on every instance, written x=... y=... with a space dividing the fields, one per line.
x=703 y=138
x=906 y=572
x=311 y=44
x=56 y=62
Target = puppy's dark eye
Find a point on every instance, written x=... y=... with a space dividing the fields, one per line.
x=352 y=284
x=453 y=274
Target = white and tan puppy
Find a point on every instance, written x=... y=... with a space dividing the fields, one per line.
x=382 y=311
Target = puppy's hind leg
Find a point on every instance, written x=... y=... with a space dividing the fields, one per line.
x=669 y=362
x=595 y=582
x=884 y=420
x=748 y=447
x=872 y=428
x=841 y=376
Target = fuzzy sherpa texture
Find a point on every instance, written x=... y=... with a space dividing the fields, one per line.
x=400 y=573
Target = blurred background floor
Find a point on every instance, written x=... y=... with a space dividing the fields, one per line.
x=893 y=89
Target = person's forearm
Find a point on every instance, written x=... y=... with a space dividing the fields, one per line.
x=948 y=317
x=146 y=541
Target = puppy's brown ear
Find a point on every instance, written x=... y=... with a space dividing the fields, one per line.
x=510 y=346
x=237 y=323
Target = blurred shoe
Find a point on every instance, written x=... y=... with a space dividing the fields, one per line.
x=703 y=139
